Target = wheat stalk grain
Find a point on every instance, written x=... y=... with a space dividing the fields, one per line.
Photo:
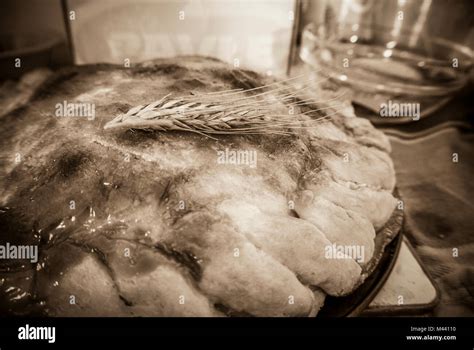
x=225 y=112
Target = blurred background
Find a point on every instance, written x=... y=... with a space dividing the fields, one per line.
x=253 y=34
x=256 y=34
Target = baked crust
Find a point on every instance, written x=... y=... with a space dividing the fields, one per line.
x=159 y=227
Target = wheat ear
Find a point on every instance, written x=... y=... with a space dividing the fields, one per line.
x=235 y=113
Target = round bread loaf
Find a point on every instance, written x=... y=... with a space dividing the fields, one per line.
x=189 y=212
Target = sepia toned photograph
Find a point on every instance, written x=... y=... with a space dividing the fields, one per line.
x=260 y=165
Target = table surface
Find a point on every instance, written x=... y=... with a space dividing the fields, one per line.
x=407 y=288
